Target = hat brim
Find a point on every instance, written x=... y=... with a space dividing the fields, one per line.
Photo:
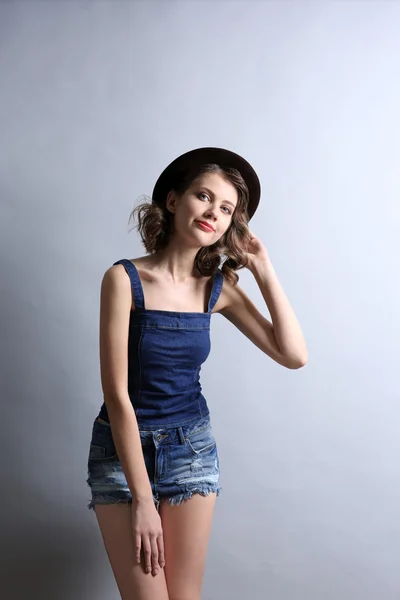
x=201 y=156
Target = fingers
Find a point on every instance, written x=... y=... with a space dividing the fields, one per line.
x=161 y=556
x=146 y=554
x=153 y=554
x=138 y=546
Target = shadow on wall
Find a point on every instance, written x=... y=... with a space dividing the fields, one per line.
x=51 y=545
x=43 y=561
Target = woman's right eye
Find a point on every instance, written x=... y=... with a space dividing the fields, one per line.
x=202 y=194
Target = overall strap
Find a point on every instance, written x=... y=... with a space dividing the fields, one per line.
x=218 y=280
x=136 y=284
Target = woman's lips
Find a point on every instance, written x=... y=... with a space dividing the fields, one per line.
x=204 y=226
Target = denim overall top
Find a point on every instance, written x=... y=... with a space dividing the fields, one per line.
x=165 y=352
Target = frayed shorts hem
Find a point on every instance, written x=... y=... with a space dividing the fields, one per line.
x=175 y=500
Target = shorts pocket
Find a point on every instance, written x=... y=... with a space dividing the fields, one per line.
x=201 y=442
x=98 y=453
x=102 y=445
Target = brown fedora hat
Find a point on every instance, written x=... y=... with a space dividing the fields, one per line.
x=202 y=156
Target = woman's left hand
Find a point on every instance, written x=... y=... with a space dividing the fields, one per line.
x=256 y=252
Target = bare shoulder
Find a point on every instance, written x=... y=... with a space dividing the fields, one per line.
x=115 y=278
x=145 y=267
x=116 y=287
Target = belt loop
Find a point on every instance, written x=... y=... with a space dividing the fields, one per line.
x=181 y=435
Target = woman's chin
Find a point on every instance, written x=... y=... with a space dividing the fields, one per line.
x=196 y=239
x=205 y=238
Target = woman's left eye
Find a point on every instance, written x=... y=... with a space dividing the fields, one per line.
x=227 y=211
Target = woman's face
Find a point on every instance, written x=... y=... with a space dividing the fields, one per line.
x=204 y=212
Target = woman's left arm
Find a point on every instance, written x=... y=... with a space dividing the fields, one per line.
x=282 y=339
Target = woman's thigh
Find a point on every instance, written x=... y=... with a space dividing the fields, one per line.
x=186 y=529
x=116 y=529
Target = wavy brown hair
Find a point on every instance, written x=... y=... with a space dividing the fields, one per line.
x=155 y=225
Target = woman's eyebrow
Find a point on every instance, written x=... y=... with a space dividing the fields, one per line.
x=212 y=194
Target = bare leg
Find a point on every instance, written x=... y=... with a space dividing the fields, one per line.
x=186 y=530
x=116 y=529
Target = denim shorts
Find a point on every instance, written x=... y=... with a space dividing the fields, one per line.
x=181 y=460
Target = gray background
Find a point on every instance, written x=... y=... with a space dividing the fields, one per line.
x=96 y=99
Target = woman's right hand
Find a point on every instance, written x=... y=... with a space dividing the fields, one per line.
x=148 y=534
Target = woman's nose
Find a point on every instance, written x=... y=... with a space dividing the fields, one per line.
x=211 y=212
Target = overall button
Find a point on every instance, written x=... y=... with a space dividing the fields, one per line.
x=161 y=436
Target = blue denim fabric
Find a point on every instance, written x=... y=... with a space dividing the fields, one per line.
x=165 y=352
x=180 y=461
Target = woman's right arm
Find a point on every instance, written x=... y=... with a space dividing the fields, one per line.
x=115 y=307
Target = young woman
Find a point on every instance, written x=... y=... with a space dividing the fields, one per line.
x=153 y=463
